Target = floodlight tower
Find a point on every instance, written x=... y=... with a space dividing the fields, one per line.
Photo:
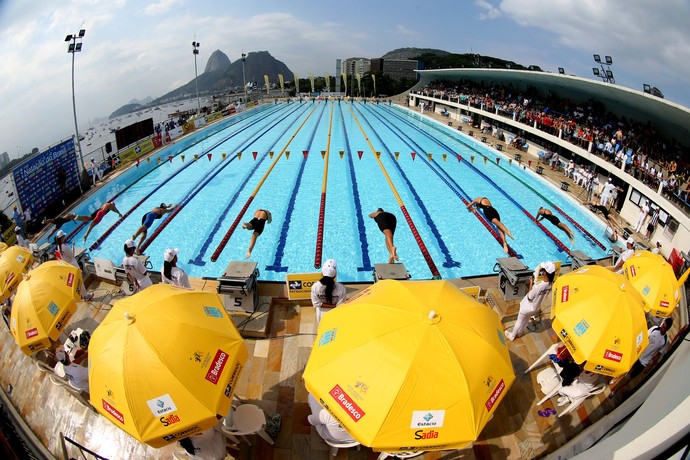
x=196 y=45
x=602 y=72
x=73 y=48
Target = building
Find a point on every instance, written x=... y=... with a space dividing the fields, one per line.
x=356 y=66
x=4 y=159
x=398 y=69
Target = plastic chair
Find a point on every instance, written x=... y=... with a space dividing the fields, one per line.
x=384 y=455
x=341 y=445
x=243 y=420
x=577 y=401
x=550 y=382
x=543 y=358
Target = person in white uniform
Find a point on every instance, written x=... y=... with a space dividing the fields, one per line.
x=66 y=252
x=136 y=272
x=644 y=211
x=76 y=374
x=324 y=423
x=171 y=273
x=531 y=303
x=326 y=293
x=625 y=255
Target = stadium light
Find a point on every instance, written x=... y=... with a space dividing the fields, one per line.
x=196 y=45
x=75 y=47
x=561 y=70
x=604 y=70
x=244 y=80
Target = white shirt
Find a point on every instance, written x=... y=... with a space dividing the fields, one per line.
x=179 y=277
x=324 y=423
x=532 y=301
x=78 y=376
x=68 y=255
x=136 y=271
x=318 y=297
x=657 y=343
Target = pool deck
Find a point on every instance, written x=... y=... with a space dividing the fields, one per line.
x=272 y=380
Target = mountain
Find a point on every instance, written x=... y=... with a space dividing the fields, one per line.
x=413 y=53
x=220 y=75
x=144 y=101
x=228 y=76
x=218 y=61
x=125 y=109
x=440 y=59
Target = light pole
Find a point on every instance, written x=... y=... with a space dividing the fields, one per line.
x=244 y=80
x=196 y=46
x=75 y=47
x=605 y=73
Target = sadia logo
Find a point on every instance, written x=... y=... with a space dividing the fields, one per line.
x=421 y=434
x=169 y=420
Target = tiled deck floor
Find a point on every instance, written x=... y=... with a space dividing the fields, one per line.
x=272 y=380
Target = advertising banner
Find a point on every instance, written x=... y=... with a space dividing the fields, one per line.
x=46 y=177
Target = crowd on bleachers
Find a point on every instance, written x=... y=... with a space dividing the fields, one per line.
x=648 y=156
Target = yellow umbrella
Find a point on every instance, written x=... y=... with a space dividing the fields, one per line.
x=654 y=278
x=409 y=366
x=14 y=262
x=600 y=318
x=164 y=363
x=44 y=303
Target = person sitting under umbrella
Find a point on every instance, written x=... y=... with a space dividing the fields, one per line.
x=72 y=370
x=207 y=445
x=327 y=426
x=576 y=382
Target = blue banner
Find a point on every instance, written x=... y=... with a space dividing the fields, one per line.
x=47 y=177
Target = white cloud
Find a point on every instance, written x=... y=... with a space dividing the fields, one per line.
x=491 y=11
x=161 y=7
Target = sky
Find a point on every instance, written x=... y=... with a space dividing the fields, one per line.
x=135 y=49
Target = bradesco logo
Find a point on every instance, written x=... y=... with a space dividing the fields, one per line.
x=31 y=333
x=70 y=280
x=495 y=395
x=217 y=366
x=565 y=293
x=613 y=356
x=112 y=411
x=352 y=409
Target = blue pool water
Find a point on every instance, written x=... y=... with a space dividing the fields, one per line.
x=214 y=192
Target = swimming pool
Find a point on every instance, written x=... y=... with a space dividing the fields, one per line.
x=377 y=155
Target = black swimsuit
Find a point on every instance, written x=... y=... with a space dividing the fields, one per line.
x=258 y=225
x=489 y=212
x=553 y=219
x=386 y=221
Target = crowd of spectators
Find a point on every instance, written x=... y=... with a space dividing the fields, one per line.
x=648 y=156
